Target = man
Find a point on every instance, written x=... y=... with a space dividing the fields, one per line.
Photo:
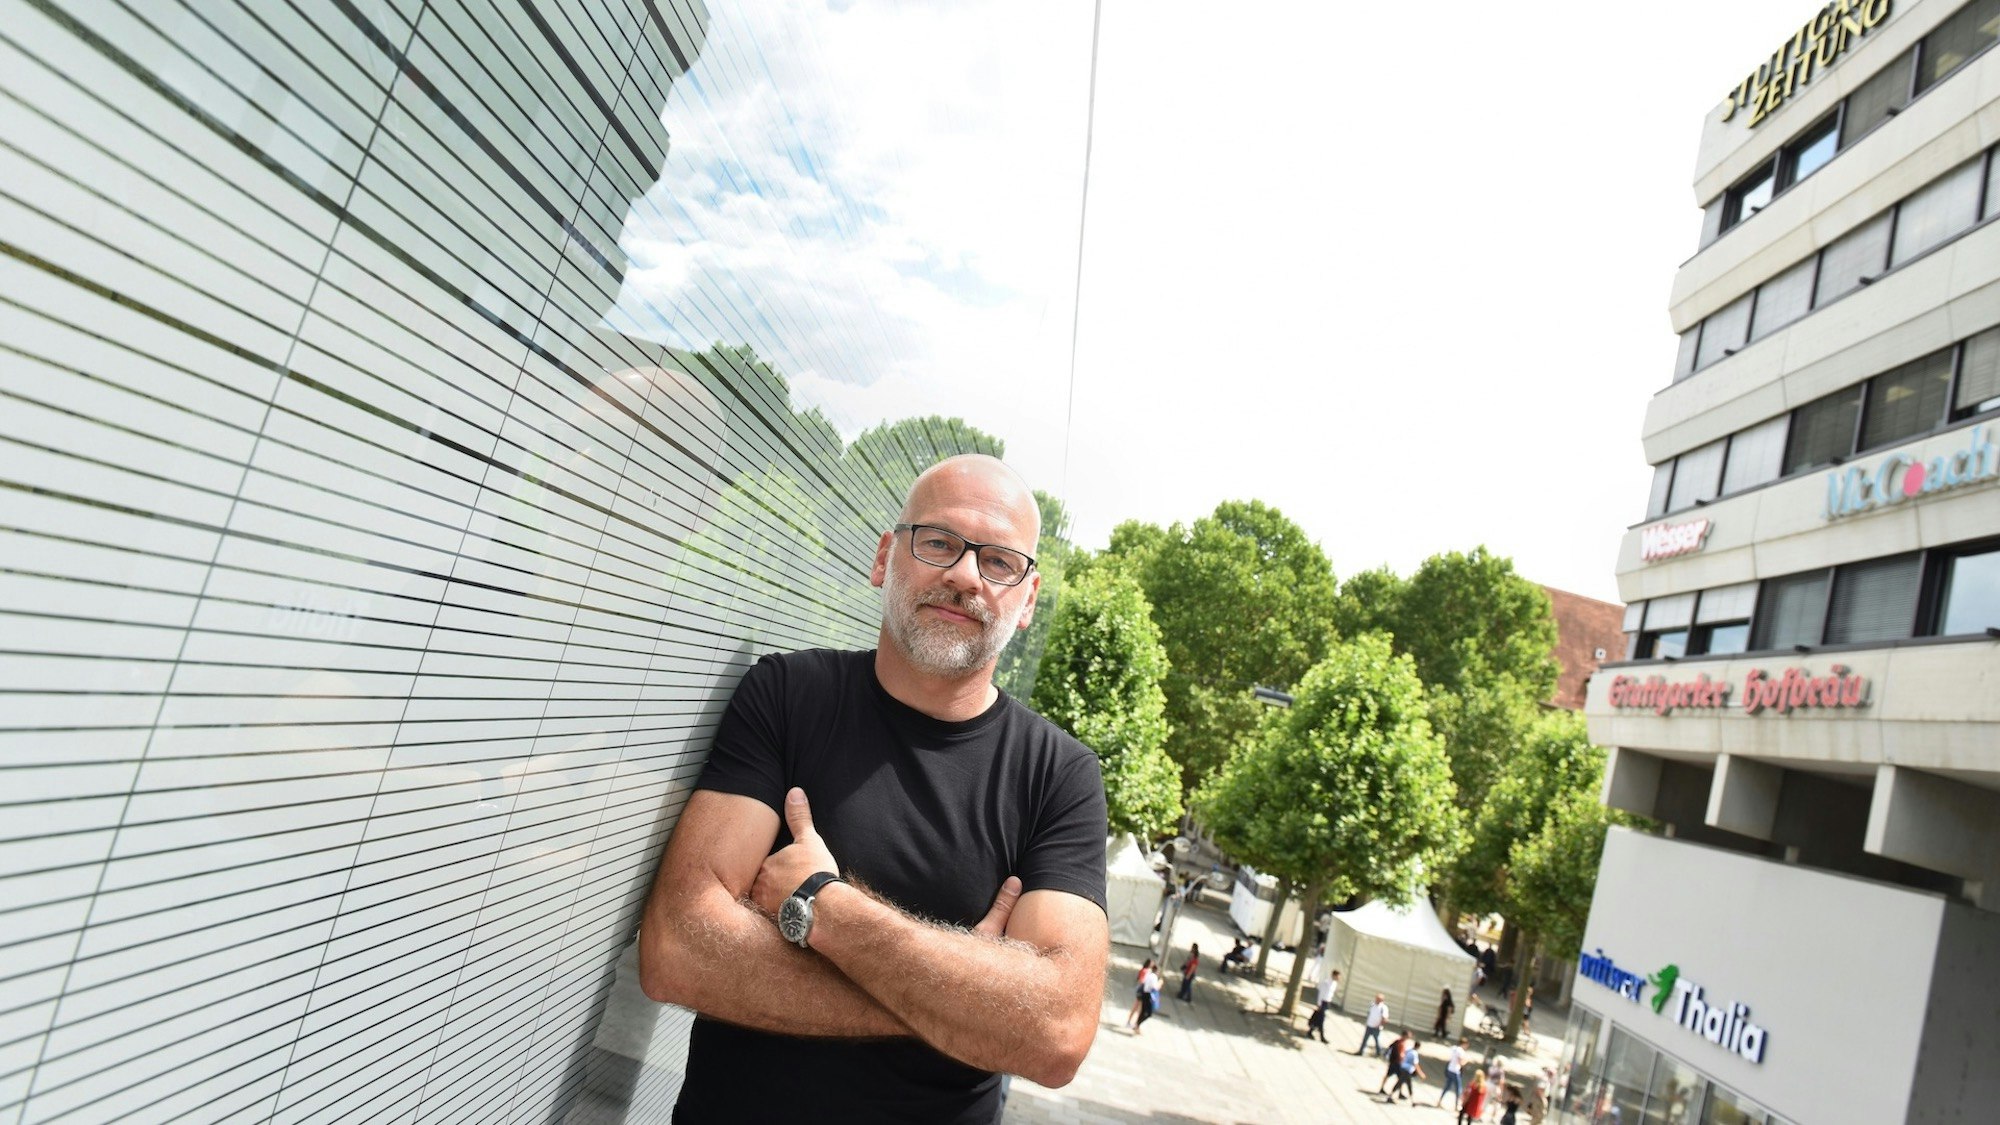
x=1454 y=1076
x=857 y=796
x=1409 y=1068
x=1395 y=1055
x=1378 y=1014
x=1188 y=969
x=1316 y=1025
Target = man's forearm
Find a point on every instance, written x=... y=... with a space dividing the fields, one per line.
x=725 y=959
x=986 y=1001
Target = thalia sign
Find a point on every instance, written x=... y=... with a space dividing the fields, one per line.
x=1726 y=1025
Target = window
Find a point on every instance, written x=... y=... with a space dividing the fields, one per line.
x=1676 y=1093
x=1944 y=207
x=1635 y=615
x=1992 y=188
x=1823 y=431
x=1579 y=1071
x=1725 y=330
x=1784 y=298
x=1749 y=195
x=1810 y=151
x=1962 y=35
x=1722 y=621
x=1628 y=1071
x=1697 y=476
x=1971 y=601
x=1907 y=401
x=1877 y=99
x=1979 y=374
x=1874 y=601
x=1858 y=258
x=1667 y=621
x=1663 y=478
x=1756 y=455
x=1791 y=611
x=1727 y=1107
x=1684 y=359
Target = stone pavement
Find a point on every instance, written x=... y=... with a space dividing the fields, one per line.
x=1228 y=1058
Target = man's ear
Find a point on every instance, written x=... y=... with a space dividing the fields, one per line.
x=880 y=573
x=1028 y=607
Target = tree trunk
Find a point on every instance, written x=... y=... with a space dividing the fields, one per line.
x=1311 y=908
x=1523 y=984
x=1271 y=926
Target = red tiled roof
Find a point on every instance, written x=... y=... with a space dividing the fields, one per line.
x=1588 y=633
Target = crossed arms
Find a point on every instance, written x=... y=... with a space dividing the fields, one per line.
x=1019 y=993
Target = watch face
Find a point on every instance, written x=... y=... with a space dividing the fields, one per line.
x=795 y=919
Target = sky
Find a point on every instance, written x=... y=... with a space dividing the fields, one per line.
x=1399 y=270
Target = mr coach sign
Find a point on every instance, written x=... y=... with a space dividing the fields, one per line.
x=1818 y=44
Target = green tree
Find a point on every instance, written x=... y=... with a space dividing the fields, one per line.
x=1347 y=792
x=1553 y=759
x=892 y=454
x=1055 y=560
x=1100 y=681
x=1242 y=597
x=1552 y=876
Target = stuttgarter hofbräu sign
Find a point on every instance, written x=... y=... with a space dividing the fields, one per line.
x=1794 y=690
x=1726 y=1025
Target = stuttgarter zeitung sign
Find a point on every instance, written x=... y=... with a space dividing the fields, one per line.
x=1794 y=690
x=1726 y=1025
x=1816 y=45
x=1899 y=477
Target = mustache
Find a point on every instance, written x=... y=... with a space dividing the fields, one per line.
x=957 y=602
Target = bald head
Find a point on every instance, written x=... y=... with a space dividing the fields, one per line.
x=977 y=480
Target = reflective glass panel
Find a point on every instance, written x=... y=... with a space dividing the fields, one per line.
x=1972 y=594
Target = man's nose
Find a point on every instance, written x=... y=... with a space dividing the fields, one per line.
x=965 y=572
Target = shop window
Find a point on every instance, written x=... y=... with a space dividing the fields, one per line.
x=1791 y=611
x=1628 y=1074
x=1855 y=259
x=1578 y=1075
x=1727 y=1107
x=1749 y=195
x=1725 y=331
x=1978 y=373
x=1697 y=476
x=1756 y=455
x=1962 y=35
x=1784 y=299
x=1877 y=99
x=1809 y=152
x=1943 y=208
x=1907 y=401
x=1823 y=430
x=1971 y=599
x=1874 y=601
x=1676 y=1094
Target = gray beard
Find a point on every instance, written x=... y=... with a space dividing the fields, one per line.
x=937 y=648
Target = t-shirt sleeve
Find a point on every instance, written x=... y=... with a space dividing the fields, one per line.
x=1067 y=850
x=748 y=757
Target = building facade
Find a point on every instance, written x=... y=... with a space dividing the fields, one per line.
x=1808 y=704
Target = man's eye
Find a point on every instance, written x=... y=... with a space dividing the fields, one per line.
x=937 y=543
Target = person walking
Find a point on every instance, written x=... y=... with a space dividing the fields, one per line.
x=1445 y=1008
x=1474 y=1103
x=1409 y=1068
x=1378 y=1014
x=1454 y=1084
x=1188 y=968
x=1139 y=995
x=1395 y=1056
x=1317 y=1024
x=1149 y=996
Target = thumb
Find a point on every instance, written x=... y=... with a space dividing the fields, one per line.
x=798 y=814
x=995 y=922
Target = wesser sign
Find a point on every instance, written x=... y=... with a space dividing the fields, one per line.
x=1794 y=690
x=1665 y=540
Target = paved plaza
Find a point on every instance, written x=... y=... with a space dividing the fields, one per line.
x=1227 y=1057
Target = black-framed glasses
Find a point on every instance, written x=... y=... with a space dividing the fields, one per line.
x=1002 y=566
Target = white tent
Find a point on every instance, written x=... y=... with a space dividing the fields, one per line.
x=1403 y=953
x=1132 y=891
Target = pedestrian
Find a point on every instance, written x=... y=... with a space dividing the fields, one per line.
x=1496 y=1080
x=1538 y=1097
x=1188 y=968
x=1445 y=1008
x=1409 y=1068
x=1317 y=1024
x=1511 y=1113
x=1378 y=1014
x=1149 y=996
x=1474 y=1103
x=1454 y=1082
x=1139 y=994
x=1395 y=1056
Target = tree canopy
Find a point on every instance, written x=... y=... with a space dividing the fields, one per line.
x=1242 y=598
x=1553 y=873
x=1553 y=760
x=1100 y=680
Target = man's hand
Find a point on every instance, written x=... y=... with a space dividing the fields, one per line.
x=784 y=869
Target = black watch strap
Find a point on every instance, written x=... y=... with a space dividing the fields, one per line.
x=814 y=882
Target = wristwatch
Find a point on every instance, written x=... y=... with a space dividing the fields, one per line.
x=795 y=916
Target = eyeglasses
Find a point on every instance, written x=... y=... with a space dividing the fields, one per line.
x=1002 y=566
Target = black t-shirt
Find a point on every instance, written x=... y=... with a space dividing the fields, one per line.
x=932 y=816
